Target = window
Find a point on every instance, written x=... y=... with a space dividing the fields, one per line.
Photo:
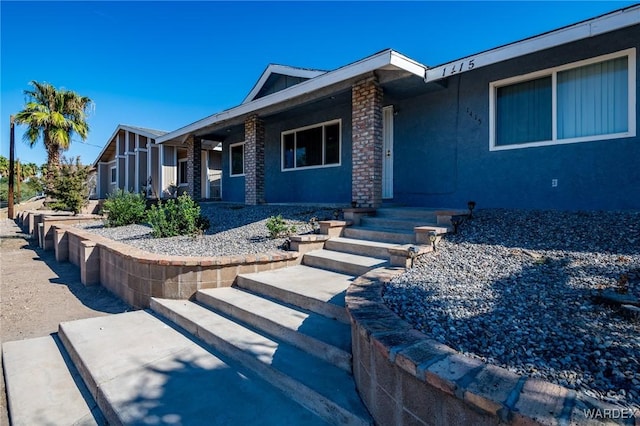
x=182 y=171
x=583 y=101
x=313 y=146
x=114 y=175
x=236 y=159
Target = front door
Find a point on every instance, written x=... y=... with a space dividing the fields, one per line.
x=387 y=152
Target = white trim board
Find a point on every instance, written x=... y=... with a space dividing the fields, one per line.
x=590 y=28
x=283 y=70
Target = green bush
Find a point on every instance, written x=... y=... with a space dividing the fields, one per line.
x=277 y=227
x=70 y=189
x=179 y=216
x=124 y=208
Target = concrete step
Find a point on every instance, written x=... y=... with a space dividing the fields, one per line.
x=395 y=223
x=345 y=263
x=317 y=385
x=141 y=370
x=320 y=336
x=419 y=213
x=40 y=380
x=361 y=247
x=385 y=235
x=313 y=289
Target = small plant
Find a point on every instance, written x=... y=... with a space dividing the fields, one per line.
x=176 y=216
x=124 y=208
x=277 y=227
x=70 y=187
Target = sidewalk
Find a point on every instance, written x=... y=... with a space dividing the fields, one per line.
x=37 y=293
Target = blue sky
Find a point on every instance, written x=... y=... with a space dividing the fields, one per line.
x=166 y=64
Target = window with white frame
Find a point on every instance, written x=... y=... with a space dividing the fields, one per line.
x=579 y=102
x=114 y=176
x=312 y=146
x=236 y=159
x=182 y=171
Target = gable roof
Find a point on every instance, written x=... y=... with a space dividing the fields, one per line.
x=386 y=59
x=142 y=131
x=285 y=70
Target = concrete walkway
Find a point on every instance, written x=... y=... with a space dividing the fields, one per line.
x=37 y=293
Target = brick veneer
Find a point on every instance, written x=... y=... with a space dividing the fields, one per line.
x=406 y=378
x=194 y=166
x=254 y=160
x=366 y=110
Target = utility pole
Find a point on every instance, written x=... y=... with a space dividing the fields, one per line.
x=11 y=161
x=18 y=181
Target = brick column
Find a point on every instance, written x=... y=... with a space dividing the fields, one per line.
x=366 y=127
x=253 y=160
x=194 y=166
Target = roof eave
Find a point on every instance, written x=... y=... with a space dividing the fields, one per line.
x=380 y=60
x=600 y=25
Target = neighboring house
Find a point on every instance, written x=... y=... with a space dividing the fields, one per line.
x=546 y=122
x=132 y=160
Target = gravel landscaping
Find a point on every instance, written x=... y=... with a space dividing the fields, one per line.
x=235 y=229
x=520 y=289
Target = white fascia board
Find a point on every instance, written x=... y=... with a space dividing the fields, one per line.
x=603 y=24
x=369 y=64
x=279 y=69
x=403 y=62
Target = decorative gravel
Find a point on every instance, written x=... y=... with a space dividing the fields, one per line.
x=235 y=229
x=516 y=289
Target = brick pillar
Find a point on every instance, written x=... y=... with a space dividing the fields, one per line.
x=253 y=160
x=366 y=126
x=194 y=166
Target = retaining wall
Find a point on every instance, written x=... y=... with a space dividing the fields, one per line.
x=406 y=378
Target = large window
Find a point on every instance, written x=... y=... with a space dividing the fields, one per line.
x=236 y=159
x=114 y=174
x=313 y=146
x=584 y=101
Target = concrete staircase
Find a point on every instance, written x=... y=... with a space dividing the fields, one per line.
x=397 y=225
x=273 y=349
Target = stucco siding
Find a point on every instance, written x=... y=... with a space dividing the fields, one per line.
x=331 y=184
x=442 y=155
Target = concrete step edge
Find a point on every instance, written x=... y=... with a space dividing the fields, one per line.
x=55 y=375
x=306 y=396
x=252 y=283
x=266 y=321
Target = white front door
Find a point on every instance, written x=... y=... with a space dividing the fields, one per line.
x=387 y=152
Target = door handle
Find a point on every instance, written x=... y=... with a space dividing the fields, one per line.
x=388 y=153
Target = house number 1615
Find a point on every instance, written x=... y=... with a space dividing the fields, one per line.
x=463 y=66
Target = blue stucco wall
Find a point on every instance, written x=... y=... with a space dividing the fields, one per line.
x=442 y=157
x=319 y=185
x=232 y=186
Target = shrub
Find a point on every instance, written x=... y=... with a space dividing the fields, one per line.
x=179 y=216
x=124 y=208
x=70 y=188
x=277 y=227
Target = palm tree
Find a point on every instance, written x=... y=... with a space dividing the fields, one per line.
x=53 y=115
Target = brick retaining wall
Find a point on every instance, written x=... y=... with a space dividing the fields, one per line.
x=135 y=275
x=406 y=378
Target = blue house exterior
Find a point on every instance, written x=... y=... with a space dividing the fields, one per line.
x=549 y=122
